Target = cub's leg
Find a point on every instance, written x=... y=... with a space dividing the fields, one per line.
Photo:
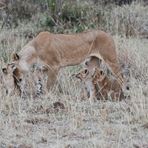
x=84 y=93
x=91 y=89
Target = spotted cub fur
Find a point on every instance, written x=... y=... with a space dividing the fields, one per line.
x=106 y=88
x=96 y=84
x=87 y=90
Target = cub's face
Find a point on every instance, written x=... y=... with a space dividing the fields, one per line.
x=82 y=75
x=94 y=74
x=98 y=76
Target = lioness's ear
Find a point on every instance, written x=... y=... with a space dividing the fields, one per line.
x=4 y=70
x=15 y=57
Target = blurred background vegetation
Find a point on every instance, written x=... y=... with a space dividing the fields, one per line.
x=122 y=17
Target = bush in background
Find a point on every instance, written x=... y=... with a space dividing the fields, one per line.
x=76 y=16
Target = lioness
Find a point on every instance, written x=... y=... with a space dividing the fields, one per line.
x=60 y=50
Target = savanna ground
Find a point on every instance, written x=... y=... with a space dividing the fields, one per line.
x=37 y=122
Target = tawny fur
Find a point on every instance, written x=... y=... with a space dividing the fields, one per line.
x=9 y=81
x=96 y=84
x=33 y=81
x=61 y=50
x=106 y=88
x=87 y=89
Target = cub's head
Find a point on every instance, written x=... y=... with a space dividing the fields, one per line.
x=95 y=73
x=82 y=75
x=98 y=76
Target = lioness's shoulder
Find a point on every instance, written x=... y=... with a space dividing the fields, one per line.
x=44 y=34
x=42 y=38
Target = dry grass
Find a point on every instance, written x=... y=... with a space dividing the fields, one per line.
x=38 y=122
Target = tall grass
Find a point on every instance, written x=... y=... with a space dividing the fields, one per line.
x=35 y=121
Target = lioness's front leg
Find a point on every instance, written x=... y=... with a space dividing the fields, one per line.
x=52 y=76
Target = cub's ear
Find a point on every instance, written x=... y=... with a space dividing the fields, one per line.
x=101 y=72
x=15 y=57
x=86 y=71
x=4 y=70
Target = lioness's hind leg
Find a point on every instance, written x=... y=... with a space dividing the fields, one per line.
x=116 y=70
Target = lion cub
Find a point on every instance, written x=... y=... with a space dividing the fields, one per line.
x=88 y=89
x=97 y=85
x=9 y=81
x=106 y=88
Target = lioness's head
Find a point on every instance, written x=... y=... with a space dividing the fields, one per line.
x=19 y=69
